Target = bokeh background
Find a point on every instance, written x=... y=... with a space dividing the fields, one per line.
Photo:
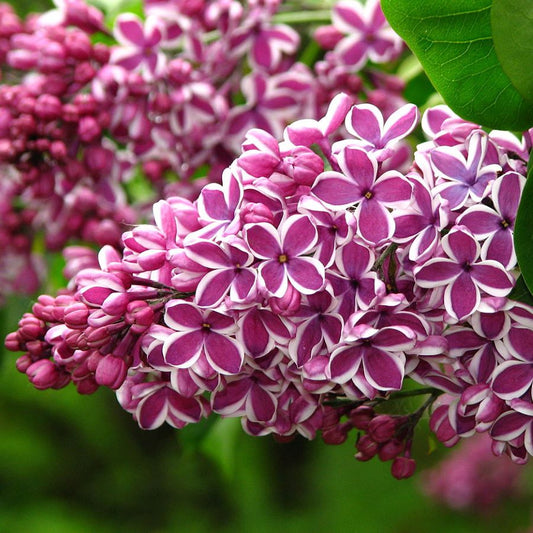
x=71 y=463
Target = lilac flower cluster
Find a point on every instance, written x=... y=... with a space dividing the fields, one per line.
x=319 y=278
x=169 y=101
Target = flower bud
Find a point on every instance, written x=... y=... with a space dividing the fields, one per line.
x=88 y=129
x=382 y=428
x=361 y=416
x=327 y=37
x=390 y=449
x=287 y=304
x=336 y=434
x=256 y=212
x=48 y=107
x=111 y=372
x=403 y=467
x=43 y=374
x=367 y=448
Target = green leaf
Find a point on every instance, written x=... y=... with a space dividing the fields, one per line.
x=520 y=292
x=453 y=41
x=512 y=33
x=220 y=444
x=523 y=234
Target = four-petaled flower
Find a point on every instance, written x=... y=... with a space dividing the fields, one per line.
x=463 y=274
x=282 y=253
x=200 y=331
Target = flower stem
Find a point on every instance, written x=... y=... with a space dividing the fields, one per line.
x=303 y=17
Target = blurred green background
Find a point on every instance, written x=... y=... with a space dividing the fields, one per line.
x=71 y=463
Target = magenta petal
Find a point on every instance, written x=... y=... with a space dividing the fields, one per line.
x=375 y=223
x=260 y=406
x=152 y=410
x=231 y=398
x=182 y=350
x=263 y=240
x=462 y=297
x=344 y=363
x=130 y=28
x=309 y=335
x=298 y=235
x=336 y=190
x=360 y=166
x=182 y=316
x=274 y=277
x=383 y=370
x=213 y=287
x=492 y=278
x=254 y=334
x=366 y=123
x=499 y=247
x=391 y=188
x=394 y=338
x=509 y=426
x=521 y=340
x=306 y=274
x=436 y=272
x=223 y=353
x=352 y=51
x=400 y=123
x=512 y=379
x=481 y=220
x=461 y=246
x=506 y=193
x=449 y=162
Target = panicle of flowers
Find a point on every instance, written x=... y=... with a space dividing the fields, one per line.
x=171 y=100
x=303 y=291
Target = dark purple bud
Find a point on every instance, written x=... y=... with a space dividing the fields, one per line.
x=84 y=73
x=101 y=53
x=367 y=448
x=111 y=372
x=361 y=416
x=58 y=150
x=78 y=45
x=87 y=385
x=403 y=467
x=382 y=427
x=88 y=129
x=48 y=107
x=390 y=449
x=336 y=434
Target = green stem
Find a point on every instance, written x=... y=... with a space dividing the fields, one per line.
x=398 y=395
x=303 y=17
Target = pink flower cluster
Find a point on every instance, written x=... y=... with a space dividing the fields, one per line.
x=170 y=101
x=318 y=278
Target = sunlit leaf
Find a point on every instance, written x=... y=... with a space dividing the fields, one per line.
x=453 y=41
x=523 y=234
x=512 y=32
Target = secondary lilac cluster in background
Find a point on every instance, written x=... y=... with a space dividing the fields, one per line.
x=332 y=266
x=169 y=99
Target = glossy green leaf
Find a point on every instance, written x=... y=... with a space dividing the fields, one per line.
x=512 y=33
x=453 y=41
x=520 y=292
x=523 y=231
